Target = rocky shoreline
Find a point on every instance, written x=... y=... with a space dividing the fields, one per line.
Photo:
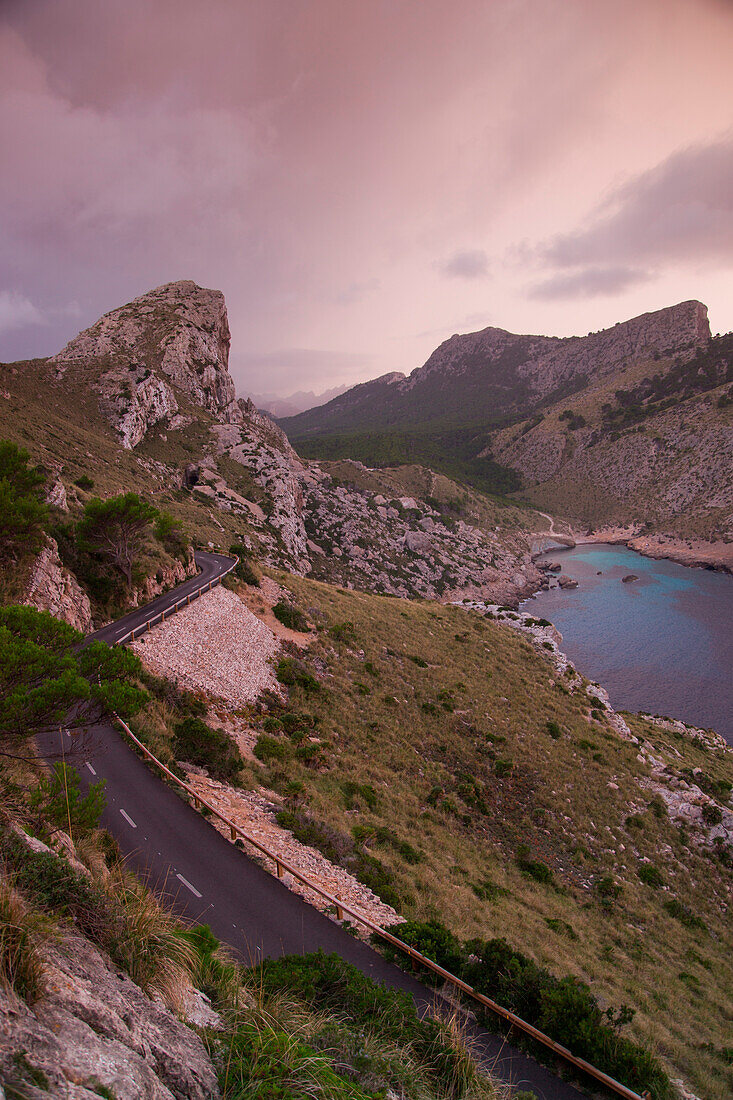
x=697 y=553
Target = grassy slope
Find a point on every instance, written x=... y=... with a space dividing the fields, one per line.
x=556 y=799
x=59 y=422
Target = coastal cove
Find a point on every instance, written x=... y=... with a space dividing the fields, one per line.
x=661 y=643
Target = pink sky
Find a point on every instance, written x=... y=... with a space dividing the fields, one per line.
x=363 y=178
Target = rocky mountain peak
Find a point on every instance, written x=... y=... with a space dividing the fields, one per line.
x=170 y=343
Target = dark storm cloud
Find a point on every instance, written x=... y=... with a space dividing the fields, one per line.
x=329 y=164
x=470 y=264
x=588 y=283
x=680 y=211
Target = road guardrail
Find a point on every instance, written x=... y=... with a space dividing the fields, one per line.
x=342 y=908
x=168 y=611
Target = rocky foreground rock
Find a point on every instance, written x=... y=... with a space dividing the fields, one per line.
x=95 y=1030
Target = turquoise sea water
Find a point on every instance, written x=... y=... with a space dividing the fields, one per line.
x=662 y=644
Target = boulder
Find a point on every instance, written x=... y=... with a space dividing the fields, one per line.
x=417 y=542
x=95 y=1028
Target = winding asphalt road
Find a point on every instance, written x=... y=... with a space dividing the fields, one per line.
x=207 y=879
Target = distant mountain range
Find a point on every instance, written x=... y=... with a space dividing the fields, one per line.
x=296 y=402
x=632 y=423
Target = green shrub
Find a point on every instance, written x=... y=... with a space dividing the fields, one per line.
x=244 y=569
x=59 y=800
x=290 y=616
x=553 y=729
x=311 y=754
x=650 y=875
x=84 y=482
x=380 y=834
x=608 y=890
x=563 y=1008
x=486 y=890
x=711 y=814
x=268 y=748
x=430 y=938
x=562 y=927
x=271 y=724
x=366 y=1007
x=343 y=632
x=168 y=531
x=534 y=868
x=54 y=887
x=270 y=1063
x=292 y=672
x=359 y=792
x=684 y=915
x=208 y=748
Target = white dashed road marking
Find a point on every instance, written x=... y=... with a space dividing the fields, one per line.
x=188 y=885
x=91 y=769
x=128 y=819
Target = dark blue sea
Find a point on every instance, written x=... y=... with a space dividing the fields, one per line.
x=661 y=644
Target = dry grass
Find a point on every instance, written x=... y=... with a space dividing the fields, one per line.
x=22 y=931
x=148 y=941
x=376 y=732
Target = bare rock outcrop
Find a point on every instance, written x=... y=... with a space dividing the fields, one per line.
x=258 y=444
x=94 y=1029
x=166 y=577
x=170 y=343
x=56 y=495
x=54 y=589
x=548 y=361
x=408 y=547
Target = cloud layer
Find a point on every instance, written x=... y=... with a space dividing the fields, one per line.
x=680 y=212
x=359 y=179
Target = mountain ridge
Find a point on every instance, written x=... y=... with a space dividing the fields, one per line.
x=533 y=363
x=629 y=425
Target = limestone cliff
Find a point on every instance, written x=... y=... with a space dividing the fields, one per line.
x=547 y=362
x=54 y=589
x=169 y=345
x=94 y=1029
x=263 y=448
